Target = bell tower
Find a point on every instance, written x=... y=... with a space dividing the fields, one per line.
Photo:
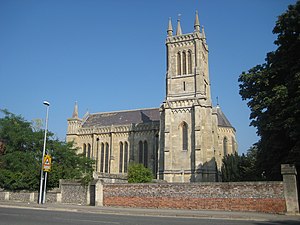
x=187 y=64
x=186 y=129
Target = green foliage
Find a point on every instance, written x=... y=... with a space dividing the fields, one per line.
x=248 y=166
x=137 y=173
x=20 y=171
x=273 y=94
x=230 y=168
x=20 y=163
x=241 y=168
x=67 y=164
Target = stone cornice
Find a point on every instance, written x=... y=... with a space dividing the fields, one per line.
x=184 y=38
x=119 y=129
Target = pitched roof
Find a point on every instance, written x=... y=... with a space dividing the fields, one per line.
x=222 y=119
x=122 y=117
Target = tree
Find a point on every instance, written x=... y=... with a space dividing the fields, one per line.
x=231 y=168
x=242 y=168
x=137 y=173
x=273 y=94
x=67 y=164
x=20 y=161
x=248 y=167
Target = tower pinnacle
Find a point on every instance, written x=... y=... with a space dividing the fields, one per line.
x=75 y=112
x=178 y=31
x=203 y=33
x=197 y=23
x=170 y=28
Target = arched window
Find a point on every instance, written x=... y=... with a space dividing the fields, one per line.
x=225 y=150
x=89 y=151
x=141 y=155
x=233 y=144
x=178 y=63
x=184 y=63
x=106 y=157
x=145 y=154
x=126 y=157
x=84 y=150
x=189 y=62
x=121 y=158
x=97 y=156
x=102 y=158
x=184 y=136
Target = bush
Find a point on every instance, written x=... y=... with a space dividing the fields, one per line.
x=137 y=173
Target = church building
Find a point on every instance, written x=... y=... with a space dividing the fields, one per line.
x=184 y=140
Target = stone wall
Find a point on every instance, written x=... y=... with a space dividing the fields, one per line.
x=110 y=178
x=291 y=190
x=21 y=196
x=73 y=192
x=245 y=196
x=69 y=192
x=269 y=197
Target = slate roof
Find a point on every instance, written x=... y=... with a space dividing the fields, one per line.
x=222 y=119
x=138 y=116
x=122 y=117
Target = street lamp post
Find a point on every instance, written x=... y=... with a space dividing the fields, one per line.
x=44 y=149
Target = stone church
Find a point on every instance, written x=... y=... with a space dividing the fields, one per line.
x=184 y=140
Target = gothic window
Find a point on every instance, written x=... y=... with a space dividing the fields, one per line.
x=178 y=63
x=126 y=157
x=97 y=155
x=184 y=136
x=184 y=62
x=89 y=151
x=225 y=142
x=189 y=62
x=183 y=85
x=106 y=157
x=233 y=144
x=102 y=158
x=121 y=158
x=145 y=154
x=84 y=150
x=141 y=152
x=155 y=156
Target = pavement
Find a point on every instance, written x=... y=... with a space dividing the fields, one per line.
x=212 y=214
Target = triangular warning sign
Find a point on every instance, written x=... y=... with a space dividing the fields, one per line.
x=47 y=163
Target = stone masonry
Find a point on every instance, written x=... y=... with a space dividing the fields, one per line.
x=184 y=140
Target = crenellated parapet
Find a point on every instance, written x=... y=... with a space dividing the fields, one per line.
x=118 y=129
x=184 y=39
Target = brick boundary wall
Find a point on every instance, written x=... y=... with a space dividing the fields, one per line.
x=265 y=197
x=269 y=197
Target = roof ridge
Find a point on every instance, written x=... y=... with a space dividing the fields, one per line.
x=129 y=110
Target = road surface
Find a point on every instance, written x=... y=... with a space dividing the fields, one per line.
x=19 y=216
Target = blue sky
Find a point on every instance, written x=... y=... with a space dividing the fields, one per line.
x=110 y=55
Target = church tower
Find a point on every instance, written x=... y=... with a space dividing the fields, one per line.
x=74 y=124
x=188 y=126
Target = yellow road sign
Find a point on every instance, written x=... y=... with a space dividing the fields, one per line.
x=47 y=163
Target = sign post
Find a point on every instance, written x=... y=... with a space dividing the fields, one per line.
x=46 y=169
x=43 y=155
